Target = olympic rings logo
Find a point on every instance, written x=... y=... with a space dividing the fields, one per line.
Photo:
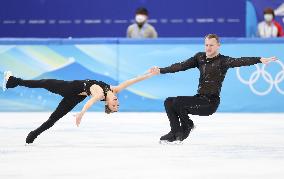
x=267 y=77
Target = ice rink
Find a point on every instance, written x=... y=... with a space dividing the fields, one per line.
x=126 y=146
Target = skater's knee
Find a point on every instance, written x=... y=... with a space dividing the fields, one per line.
x=178 y=105
x=169 y=101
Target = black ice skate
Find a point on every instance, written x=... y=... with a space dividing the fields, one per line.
x=9 y=80
x=6 y=76
x=186 y=131
x=172 y=138
x=31 y=137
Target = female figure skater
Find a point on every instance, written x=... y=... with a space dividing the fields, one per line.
x=73 y=92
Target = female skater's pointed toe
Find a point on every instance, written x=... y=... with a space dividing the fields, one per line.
x=31 y=137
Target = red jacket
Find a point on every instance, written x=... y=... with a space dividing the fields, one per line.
x=279 y=28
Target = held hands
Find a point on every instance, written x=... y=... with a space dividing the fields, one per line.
x=268 y=60
x=78 y=118
x=154 y=70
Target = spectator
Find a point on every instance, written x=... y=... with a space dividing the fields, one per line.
x=279 y=28
x=141 y=29
x=279 y=12
x=269 y=27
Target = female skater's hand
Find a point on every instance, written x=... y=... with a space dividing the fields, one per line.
x=267 y=60
x=78 y=118
x=154 y=70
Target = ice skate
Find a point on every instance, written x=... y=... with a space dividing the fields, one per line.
x=172 y=138
x=186 y=131
x=6 y=77
x=31 y=137
x=9 y=80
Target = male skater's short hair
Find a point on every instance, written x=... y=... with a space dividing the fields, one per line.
x=212 y=36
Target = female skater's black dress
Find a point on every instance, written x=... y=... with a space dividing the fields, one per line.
x=69 y=90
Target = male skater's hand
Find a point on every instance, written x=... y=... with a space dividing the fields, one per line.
x=268 y=60
x=78 y=118
x=154 y=70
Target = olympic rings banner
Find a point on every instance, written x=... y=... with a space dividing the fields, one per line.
x=257 y=88
x=261 y=73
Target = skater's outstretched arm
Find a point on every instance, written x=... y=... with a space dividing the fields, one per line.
x=125 y=84
x=176 y=67
x=246 y=61
x=88 y=104
x=96 y=95
x=268 y=60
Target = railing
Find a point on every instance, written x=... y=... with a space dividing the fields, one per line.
x=113 y=60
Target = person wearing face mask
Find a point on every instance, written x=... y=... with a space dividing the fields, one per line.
x=141 y=28
x=269 y=28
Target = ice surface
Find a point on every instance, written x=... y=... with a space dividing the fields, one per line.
x=126 y=146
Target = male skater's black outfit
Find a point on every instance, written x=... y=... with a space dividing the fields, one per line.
x=206 y=101
x=69 y=90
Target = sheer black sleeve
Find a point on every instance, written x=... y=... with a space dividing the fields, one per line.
x=243 y=61
x=182 y=66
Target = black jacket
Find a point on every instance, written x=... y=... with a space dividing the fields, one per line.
x=212 y=70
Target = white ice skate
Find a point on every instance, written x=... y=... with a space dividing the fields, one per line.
x=6 y=76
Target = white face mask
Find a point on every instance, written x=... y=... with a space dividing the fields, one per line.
x=268 y=17
x=140 y=18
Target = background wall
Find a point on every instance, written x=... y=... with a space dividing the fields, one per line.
x=116 y=60
x=110 y=18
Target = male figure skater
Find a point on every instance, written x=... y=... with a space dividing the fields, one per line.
x=213 y=68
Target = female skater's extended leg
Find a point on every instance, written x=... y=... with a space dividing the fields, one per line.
x=52 y=85
x=65 y=106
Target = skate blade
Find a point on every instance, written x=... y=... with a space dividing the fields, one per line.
x=4 y=88
x=4 y=81
x=29 y=145
x=176 y=142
